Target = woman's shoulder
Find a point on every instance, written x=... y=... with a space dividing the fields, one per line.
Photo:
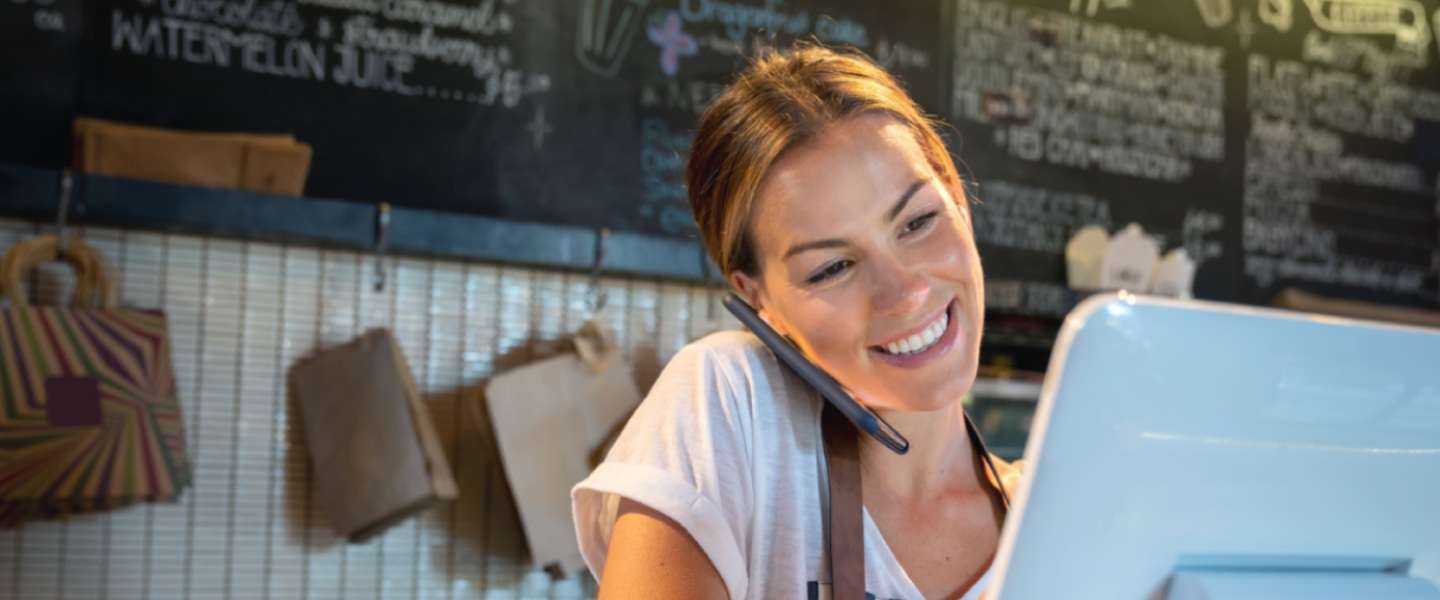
x=744 y=363
x=729 y=377
x=734 y=348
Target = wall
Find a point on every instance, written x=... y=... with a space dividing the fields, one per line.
x=240 y=313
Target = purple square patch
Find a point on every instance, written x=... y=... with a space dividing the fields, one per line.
x=72 y=401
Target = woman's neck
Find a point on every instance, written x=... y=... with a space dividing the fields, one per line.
x=940 y=459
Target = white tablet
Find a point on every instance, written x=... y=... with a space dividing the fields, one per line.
x=1201 y=450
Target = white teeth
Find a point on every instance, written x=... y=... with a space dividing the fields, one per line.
x=920 y=341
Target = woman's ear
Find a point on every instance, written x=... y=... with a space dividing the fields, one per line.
x=753 y=294
x=749 y=289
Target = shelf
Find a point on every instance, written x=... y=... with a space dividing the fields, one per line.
x=33 y=194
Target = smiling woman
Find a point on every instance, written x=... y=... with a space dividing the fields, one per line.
x=834 y=208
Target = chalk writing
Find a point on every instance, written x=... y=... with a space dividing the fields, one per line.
x=1027 y=297
x=1305 y=117
x=483 y=60
x=49 y=20
x=1245 y=29
x=1215 y=13
x=1356 y=272
x=1198 y=232
x=1279 y=14
x=394 y=46
x=1026 y=217
x=44 y=17
x=662 y=164
x=1066 y=90
x=276 y=17
x=722 y=45
x=691 y=95
x=1092 y=7
x=833 y=30
x=1437 y=27
x=1403 y=20
x=486 y=17
x=1342 y=101
x=899 y=56
x=740 y=20
x=204 y=44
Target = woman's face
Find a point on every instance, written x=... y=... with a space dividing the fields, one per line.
x=868 y=263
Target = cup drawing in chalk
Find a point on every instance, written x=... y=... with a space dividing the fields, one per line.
x=605 y=30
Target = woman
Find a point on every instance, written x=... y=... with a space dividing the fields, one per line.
x=832 y=205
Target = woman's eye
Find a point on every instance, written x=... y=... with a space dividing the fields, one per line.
x=920 y=222
x=829 y=271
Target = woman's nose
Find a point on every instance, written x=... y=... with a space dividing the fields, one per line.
x=900 y=289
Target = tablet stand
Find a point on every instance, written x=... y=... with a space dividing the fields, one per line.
x=1296 y=578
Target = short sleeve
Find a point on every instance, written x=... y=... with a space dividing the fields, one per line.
x=685 y=453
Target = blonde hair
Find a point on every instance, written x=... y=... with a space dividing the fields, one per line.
x=780 y=102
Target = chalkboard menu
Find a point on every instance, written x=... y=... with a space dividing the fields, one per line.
x=1280 y=142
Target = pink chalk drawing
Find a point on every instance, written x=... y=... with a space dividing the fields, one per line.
x=673 y=42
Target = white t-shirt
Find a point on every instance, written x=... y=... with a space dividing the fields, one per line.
x=728 y=445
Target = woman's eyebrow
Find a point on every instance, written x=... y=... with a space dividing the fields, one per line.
x=889 y=217
x=815 y=245
x=900 y=204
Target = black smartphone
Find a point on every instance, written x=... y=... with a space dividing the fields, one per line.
x=863 y=418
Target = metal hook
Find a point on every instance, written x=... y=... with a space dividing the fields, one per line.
x=595 y=298
x=382 y=238
x=67 y=186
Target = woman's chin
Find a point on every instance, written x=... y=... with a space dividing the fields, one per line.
x=926 y=398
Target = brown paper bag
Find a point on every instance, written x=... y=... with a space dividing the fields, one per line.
x=376 y=456
x=547 y=417
x=272 y=164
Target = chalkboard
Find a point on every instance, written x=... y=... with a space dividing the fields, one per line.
x=40 y=62
x=1280 y=142
x=559 y=111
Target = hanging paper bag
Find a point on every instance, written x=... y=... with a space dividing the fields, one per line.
x=376 y=454
x=548 y=417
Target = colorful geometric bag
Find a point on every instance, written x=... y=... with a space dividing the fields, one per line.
x=89 y=418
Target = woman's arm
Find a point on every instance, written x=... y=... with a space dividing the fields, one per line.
x=651 y=556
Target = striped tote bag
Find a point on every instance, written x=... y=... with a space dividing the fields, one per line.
x=89 y=418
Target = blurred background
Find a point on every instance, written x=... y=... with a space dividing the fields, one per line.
x=481 y=178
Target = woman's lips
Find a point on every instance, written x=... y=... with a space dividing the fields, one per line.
x=941 y=346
